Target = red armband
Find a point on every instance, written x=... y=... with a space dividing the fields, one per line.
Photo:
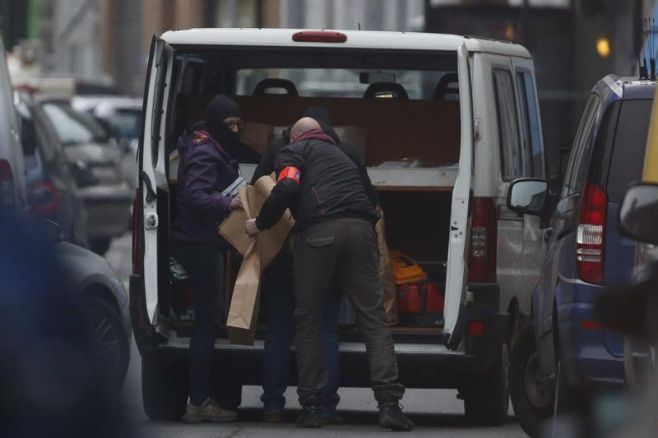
x=292 y=173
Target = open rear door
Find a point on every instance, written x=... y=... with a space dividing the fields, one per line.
x=456 y=281
x=152 y=177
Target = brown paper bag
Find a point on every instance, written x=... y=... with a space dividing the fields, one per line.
x=243 y=311
x=386 y=275
x=232 y=229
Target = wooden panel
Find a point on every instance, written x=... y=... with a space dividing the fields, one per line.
x=426 y=130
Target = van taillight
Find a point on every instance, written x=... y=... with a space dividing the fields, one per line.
x=590 y=235
x=482 y=256
x=319 y=36
x=138 y=249
x=7 y=195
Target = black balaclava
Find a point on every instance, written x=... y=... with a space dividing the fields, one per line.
x=320 y=114
x=219 y=108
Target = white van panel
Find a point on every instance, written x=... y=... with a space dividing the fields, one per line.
x=155 y=174
x=457 y=267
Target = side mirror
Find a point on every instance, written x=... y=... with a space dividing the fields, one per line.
x=639 y=212
x=82 y=174
x=527 y=196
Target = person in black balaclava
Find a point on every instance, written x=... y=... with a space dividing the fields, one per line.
x=209 y=153
x=224 y=124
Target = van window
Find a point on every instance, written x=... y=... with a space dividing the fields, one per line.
x=628 y=152
x=161 y=64
x=534 y=148
x=508 y=130
x=575 y=175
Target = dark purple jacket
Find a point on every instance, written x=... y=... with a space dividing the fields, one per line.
x=205 y=170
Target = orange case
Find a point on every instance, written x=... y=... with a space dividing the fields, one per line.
x=405 y=270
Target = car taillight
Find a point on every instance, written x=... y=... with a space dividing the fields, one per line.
x=319 y=36
x=590 y=235
x=44 y=198
x=7 y=193
x=138 y=250
x=482 y=256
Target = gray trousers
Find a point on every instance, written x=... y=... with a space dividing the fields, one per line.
x=341 y=252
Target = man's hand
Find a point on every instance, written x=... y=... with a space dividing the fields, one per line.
x=235 y=203
x=251 y=228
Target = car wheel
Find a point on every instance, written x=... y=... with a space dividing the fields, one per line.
x=164 y=387
x=110 y=340
x=532 y=396
x=486 y=400
x=100 y=245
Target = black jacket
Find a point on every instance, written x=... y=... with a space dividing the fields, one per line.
x=331 y=186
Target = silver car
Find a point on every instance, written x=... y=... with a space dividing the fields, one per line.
x=96 y=164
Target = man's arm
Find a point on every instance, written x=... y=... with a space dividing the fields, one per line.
x=289 y=164
x=200 y=192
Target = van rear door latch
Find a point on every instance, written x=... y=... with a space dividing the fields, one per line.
x=151 y=221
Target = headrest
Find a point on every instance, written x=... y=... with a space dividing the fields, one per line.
x=382 y=87
x=270 y=83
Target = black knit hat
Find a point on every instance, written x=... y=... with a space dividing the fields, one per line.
x=219 y=108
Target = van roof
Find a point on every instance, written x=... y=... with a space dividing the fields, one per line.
x=355 y=39
x=625 y=87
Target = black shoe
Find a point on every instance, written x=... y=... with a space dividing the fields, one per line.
x=310 y=418
x=392 y=417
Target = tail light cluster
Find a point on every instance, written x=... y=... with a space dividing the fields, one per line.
x=482 y=256
x=7 y=189
x=44 y=198
x=590 y=235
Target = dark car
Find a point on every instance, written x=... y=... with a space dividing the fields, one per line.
x=586 y=253
x=52 y=192
x=106 y=194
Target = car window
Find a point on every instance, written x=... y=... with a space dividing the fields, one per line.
x=530 y=128
x=628 y=150
x=584 y=138
x=508 y=131
x=73 y=127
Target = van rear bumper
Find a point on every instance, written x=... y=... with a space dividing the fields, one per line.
x=421 y=364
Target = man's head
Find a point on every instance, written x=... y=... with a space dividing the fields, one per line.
x=302 y=126
x=224 y=120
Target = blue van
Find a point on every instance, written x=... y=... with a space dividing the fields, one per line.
x=566 y=344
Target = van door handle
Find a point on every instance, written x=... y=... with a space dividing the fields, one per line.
x=150 y=193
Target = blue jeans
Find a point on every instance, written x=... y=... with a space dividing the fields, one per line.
x=278 y=299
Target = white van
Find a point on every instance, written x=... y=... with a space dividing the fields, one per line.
x=443 y=122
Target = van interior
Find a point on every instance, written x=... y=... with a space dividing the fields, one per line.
x=399 y=108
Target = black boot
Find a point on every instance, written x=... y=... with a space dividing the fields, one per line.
x=310 y=417
x=392 y=417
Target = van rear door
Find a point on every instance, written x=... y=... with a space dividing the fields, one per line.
x=152 y=177
x=457 y=267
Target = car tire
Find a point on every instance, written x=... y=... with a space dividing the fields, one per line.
x=532 y=398
x=100 y=245
x=164 y=387
x=110 y=340
x=486 y=400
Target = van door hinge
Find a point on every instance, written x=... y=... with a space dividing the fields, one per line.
x=477 y=130
x=151 y=221
x=469 y=297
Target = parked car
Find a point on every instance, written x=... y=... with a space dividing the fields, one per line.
x=467 y=144
x=121 y=116
x=104 y=304
x=52 y=192
x=12 y=171
x=574 y=352
x=106 y=194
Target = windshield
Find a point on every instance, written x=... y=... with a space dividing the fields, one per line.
x=337 y=82
x=73 y=127
x=124 y=123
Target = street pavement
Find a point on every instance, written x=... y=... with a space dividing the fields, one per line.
x=435 y=412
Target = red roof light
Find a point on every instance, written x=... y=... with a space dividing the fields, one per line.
x=319 y=36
